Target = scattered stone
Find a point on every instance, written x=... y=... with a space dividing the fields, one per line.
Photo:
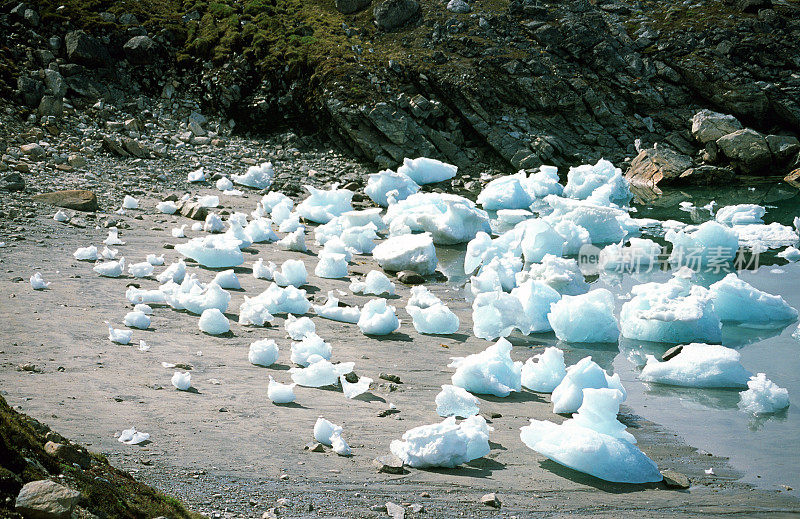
x=395 y=511
x=68 y=453
x=77 y=199
x=458 y=6
x=85 y=49
x=193 y=210
x=491 y=500
x=674 y=479
x=389 y=464
x=672 y=352
x=409 y=277
x=390 y=14
x=314 y=447
x=390 y=378
x=12 y=182
x=140 y=50
x=45 y=499
x=34 y=151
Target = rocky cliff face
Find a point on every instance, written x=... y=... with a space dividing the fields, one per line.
x=483 y=84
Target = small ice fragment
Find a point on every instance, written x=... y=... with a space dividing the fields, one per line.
x=545 y=371
x=167 y=365
x=381 y=183
x=280 y=393
x=331 y=265
x=197 y=175
x=456 y=401
x=118 y=336
x=60 y=216
x=444 y=444
x=322 y=206
x=495 y=314
x=263 y=353
x=537 y=299
x=213 y=223
x=167 y=207
x=585 y=318
x=213 y=322
x=293 y=272
x=145 y=309
x=264 y=271
x=155 y=260
x=375 y=283
x=132 y=436
x=182 y=381
x=110 y=269
x=790 y=254
x=709 y=471
x=113 y=237
x=320 y=372
x=429 y=314
x=137 y=319
x=324 y=431
x=224 y=184
x=140 y=270
x=331 y=310
x=295 y=241
x=409 y=252
x=38 y=283
x=258 y=177
x=254 y=312
x=424 y=170
x=179 y=232
x=356 y=388
x=175 y=272
x=298 y=328
x=130 y=203
x=741 y=214
x=213 y=251
x=311 y=344
x=143 y=346
x=109 y=254
x=763 y=396
x=567 y=397
x=377 y=318
x=85 y=253
x=227 y=279
x=340 y=446
x=489 y=372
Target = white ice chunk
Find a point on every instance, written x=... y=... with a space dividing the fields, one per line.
x=213 y=251
x=599 y=412
x=290 y=300
x=294 y=241
x=763 y=396
x=377 y=318
x=38 y=283
x=506 y=192
x=709 y=243
x=293 y=272
x=145 y=309
x=320 y=372
x=429 y=314
x=224 y=184
x=641 y=254
x=259 y=177
x=449 y=218
x=325 y=430
x=274 y=198
x=495 y=314
x=227 y=279
x=339 y=446
x=280 y=393
x=191 y=297
x=175 y=272
x=136 y=295
x=113 y=237
x=264 y=271
x=737 y=301
x=444 y=444
x=311 y=344
x=260 y=231
x=109 y=254
x=322 y=206
x=567 y=397
x=209 y=201
x=762 y=237
x=110 y=269
x=255 y=312
x=167 y=207
x=197 y=175
x=331 y=310
x=456 y=401
x=741 y=214
x=130 y=203
x=561 y=274
x=137 y=319
x=381 y=183
x=604 y=224
x=698 y=365
x=790 y=254
x=291 y=223
x=423 y=170
x=236 y=232
x=416 y=252
x=154 y=260
x=375 y=283
x=545 y=371
x=539 y=239
x=585 y=318
x=352 y=390
x=584 y=180
x=61 y=216
x=118 y=336
x=536 y=299
x=489 y=372
x=140 y=270
x=85 y=253
x=213 y=223
x=298 y=328
x=574 y=236
x=133 y=437
x=182 y=381
x=331 y=265
x=213 y=322
x=263 y=353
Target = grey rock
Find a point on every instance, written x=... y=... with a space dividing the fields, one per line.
x=56 y=86
x=409 y=277
x=390 y=378
x=672 y=352
x=12 y=182
x=458 y=6
x=314 y=447
x=31 y=17
x=389 y=464
x=710 y=126
x=193 y=210
x=747 y=150
x=491 y=500
x=351 y=6
x=395 y=511
x=51 y=106
x=783 y=147
x=85 y=49
x=45 y=499
x=33 y=150
x=391 y=14
x=140 y=50
x=674 y=479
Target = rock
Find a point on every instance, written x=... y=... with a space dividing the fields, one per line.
x=389 y=464
x=194 y=211
x=77 y=199
x=747 y=150
x=704 y=176
x=140 y=50
x=196 y=129
x=12 y=182
x=31 y=17
x=55 y=84
x=491 y=500
x=351 y=6
x=674 y=479
x=710 y=126
x=390 y=14
x=76 y=161
x=793 y=178
x=672 y=352
x=34 y=151
x=85 y=49
x=68 y=453
x=409 y=277
x=783 y=147
x=653 y=165
x=458 y=6
x=135 y=148
x=395 y=511
x=51 y=106
x=114 y=147
x=390 y=378
x=45 y=499
x=314 y=447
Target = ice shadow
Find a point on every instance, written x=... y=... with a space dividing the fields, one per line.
x=478 y=468
x=277 y=367
x=458 y=337
x=514 y=397
x=227 y=335
x=291 y=405
x=394 y=336
x=585 y=479
x=369 y=397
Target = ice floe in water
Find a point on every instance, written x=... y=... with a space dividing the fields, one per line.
x=429 y=314
x=495 y=314
x=698 y=365
x=331 y=265
x=456 y=401
x=322 y=206
x=761 y=237
x=380 y=184
x=140 y=270
x=37 y=282
x=374 y=283
x=353 y=389
x=137 y=319
x=641 y=253
x=423 y=170
x=763 y=396
x=585 y=318
x=604 y=224
x=259 y=177
x=213 y=251
x=506 y=192
x=545 y=371
x=263 y=352
x=584 y=181
x=182 y=381
x=446 y=444
x=110 y=269
x=280 y=393
x=448 y=218
x=567 y=397
x=790 y=254
x=331 y=310
x=293 y=272
x=118 y=336
x=85 y=253
x=561 y=274
x=740 y=214
x=297 y=328
x=320 y=372
x=739 y=302
x=710 y=242
x=311 y=344
x=378 y=318
x=489 y=372
x=133 y=437
x=536 y=299
x=213 y=322
x=415 y=252
x=675 y=312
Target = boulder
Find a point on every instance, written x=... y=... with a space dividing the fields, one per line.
x=747 y=150
x=674 y=479
x=77 y=199
x=653 y=165
x=351 y=6
x=458 y=6
x=69 y=453
x=783 y=147
x=140 y=50
x=793 y=178
x=51 y=106
x=12 y=182
x=85 y=49
x=710 y=126
x=390 y=14
x=45 y=499
x=34 y=151
x=704 y=175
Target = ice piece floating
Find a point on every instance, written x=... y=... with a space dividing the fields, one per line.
x=739 y=302
x=698 y=365
x=585 y=318
x=763 y=396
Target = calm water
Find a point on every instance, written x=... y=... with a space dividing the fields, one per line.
x=765 y=450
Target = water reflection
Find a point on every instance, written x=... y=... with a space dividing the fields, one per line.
x=737 y=336
x=697 y=399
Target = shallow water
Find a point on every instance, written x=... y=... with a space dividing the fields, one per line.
x=765 y=449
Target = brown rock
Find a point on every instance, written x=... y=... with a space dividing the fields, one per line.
x=77 y=199
x=389 y=464
x=747 y=150
x=68 y=453
x=674 y=479
x=194 y=211
x=114 y=147
x=793 y=178
x=653 y=165
x=409 y=277
x=45 y=499
x=491 y=500
x=33 y=150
